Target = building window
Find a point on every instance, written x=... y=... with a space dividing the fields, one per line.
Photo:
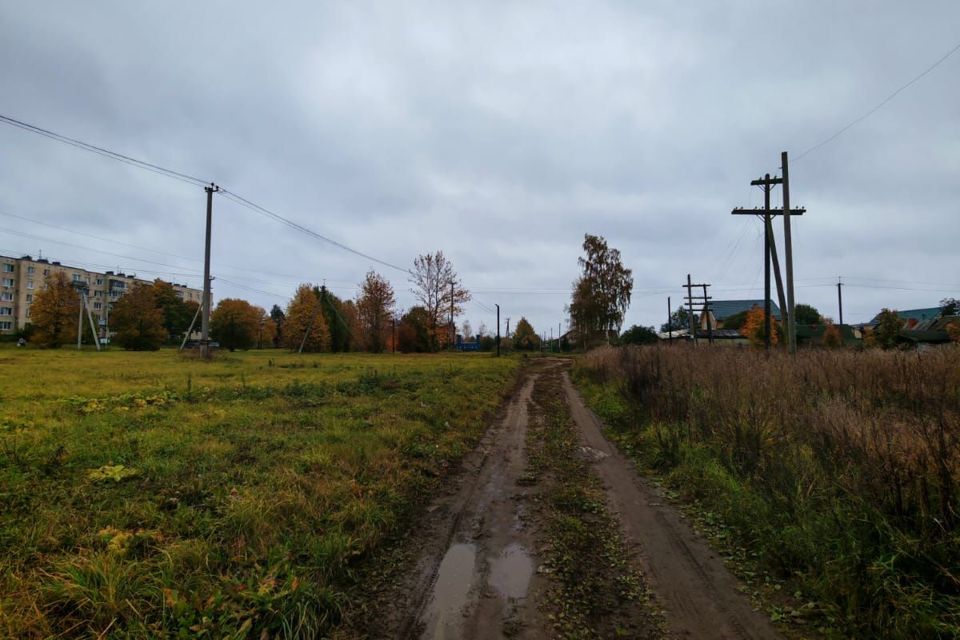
x=76 y=277
x=8 y=282
x=46 y=272
x=6 y=296
x=8 y=268
x=31 y=269
x=6 y=326
x=97 y=305
x=99 y=281
x=6 y=311
x=28 y=312
x=29 y=297
x=29 y=284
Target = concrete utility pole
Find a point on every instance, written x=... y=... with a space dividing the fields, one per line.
x=498 y=329
x=186 y=336
x=393 y=332
x=80 y=321
x=840 y=299
x=205 y=319
x=93 y=327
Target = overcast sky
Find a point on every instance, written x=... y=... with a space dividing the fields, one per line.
x=498 y=132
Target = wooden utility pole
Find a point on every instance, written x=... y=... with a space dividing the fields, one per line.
x=393 y=332
x=498 y=329
x=840 y=299
x=693 y=331
x=453 y=328
x=205 y=320
x=704 y=311
x=770 y=256
x=788 y=256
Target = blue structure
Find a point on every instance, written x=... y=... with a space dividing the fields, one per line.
x=467 y=346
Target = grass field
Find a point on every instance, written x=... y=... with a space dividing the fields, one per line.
x=836 y=471
x=155 y=495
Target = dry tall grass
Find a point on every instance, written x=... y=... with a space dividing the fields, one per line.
x=840 y=466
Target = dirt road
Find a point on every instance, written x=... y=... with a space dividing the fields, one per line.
x=485 y=561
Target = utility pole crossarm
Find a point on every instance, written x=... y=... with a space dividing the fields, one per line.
x=742 y=211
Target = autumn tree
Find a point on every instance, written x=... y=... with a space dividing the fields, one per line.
x=438 y=289
x=949 y=307
x=375 y=307
x=888 y=328
x=235 y=324
x=305 y=317
x=414 y=331
x=278 y=317
x=755 y=329
x=831 y=336
x=953 y=330
x=601 y=294
x=137 y=320
x=177 y=314
x=524 y=337
x=266 y=328
x=351 y=318
x=54 y=312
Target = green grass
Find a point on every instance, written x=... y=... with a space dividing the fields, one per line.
x=597 y=592
x=152 y=494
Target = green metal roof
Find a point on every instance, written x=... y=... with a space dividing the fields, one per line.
x=918 y=315
x=723 y=309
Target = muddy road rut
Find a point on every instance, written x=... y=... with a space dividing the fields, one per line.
x=495 y=559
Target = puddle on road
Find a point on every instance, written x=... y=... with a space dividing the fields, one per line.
x=444 y=615
x=510 y=573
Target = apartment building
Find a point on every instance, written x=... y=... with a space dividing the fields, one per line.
x=22 y=278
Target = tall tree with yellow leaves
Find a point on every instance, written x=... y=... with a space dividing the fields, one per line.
x=305 y=318
x=754 y=328
x=137 y=320
x=375 y=308
x=54 y=312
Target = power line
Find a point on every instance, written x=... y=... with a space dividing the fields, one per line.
x=185 y=177
x=880 y=105
x=86 y=146
x=77 y=246
x=244 y=202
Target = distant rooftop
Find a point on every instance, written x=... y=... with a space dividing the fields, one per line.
x=917 y=315
x=723 y=309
